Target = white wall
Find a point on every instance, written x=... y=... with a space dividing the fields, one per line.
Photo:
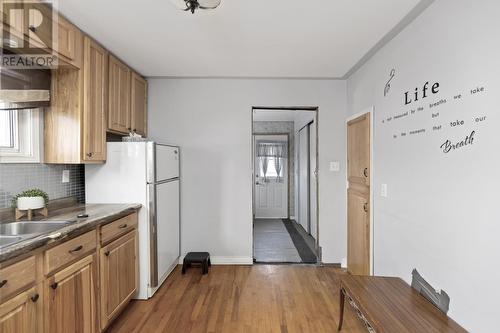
x=211 y=120
x=441 y=212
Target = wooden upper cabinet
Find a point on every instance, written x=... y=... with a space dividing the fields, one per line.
x=95 y=87
x=22 y=314
x=119 y=97
x=138 y=103
x=358 y=147
x=68 y=42
x=70 y=299
x=118 y=274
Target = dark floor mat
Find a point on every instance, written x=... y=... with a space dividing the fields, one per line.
x=305 y=252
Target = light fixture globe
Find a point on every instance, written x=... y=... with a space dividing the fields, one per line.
x=193 y=5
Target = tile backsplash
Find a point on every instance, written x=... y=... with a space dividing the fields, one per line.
x=15 y=178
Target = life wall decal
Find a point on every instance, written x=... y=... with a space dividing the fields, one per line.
x=436 y=113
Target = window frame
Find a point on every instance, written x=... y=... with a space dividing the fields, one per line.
x=27 y=138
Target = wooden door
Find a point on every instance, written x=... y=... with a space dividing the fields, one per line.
x=118 y=275
x=95 y=101
x=139 y=104
x=21 y=314
x=70 y=301
x=358 y=195
x=119 y=97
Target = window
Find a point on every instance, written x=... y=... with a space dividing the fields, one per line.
x=7 y=128
x=271 y=167
x=20 y=136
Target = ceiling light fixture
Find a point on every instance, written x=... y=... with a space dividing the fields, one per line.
x=193 y=5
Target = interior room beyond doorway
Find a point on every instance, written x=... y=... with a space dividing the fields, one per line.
x=285 y=224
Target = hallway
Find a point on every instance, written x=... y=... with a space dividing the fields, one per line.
x=281 y=241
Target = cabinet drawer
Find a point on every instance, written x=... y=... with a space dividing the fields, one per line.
x=118 y=227
x=69 y=251
x=16 y=277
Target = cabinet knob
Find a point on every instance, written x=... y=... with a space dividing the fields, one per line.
x=123 y=226
x=2 y=283
x=365 y=207
x=129 y=128
x=34 y=298
x=134 y=130
x=54 y=285
x=89 y=154
x=365 y=172
x=32 y=28
x=106 y=253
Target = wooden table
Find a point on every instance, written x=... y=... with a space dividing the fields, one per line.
x=388 y=304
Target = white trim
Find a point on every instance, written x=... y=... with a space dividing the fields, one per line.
x=29 y=141
x=371 y=111
x=218 y=260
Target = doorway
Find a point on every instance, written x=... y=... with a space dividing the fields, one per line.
x=285 y=223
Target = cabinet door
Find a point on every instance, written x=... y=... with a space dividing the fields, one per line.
x=95 y=101
x=68 y=37
x=139 y=104
x=358 y=231
x=21 y=314
x=119 y=97
x=118 y=275
x=70 y=299
x=358 y=150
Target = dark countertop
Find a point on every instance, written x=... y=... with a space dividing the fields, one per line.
x=99 y=214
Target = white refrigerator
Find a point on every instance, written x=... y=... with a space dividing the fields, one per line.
x=145 y=173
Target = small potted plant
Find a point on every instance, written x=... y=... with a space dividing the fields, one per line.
x=30 y=199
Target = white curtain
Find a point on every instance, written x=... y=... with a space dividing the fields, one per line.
x=277 y=150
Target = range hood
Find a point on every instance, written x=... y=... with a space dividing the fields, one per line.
x=24 y=88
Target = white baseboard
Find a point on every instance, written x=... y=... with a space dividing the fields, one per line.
x=215 y=260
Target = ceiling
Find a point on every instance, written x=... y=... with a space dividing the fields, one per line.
x=283 y=115
x=251 y=38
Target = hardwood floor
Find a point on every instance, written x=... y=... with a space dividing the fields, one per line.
x=258 y=298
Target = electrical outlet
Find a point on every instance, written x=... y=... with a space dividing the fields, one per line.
x=65 y=176
x=335 y=166
x=383 y=190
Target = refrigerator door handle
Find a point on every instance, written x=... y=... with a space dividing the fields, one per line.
x=153 y=239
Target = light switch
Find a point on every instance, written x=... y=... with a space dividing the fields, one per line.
x=335 y=166
x=65 y=176
x=383 y=190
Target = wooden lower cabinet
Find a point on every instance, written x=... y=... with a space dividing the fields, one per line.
x=118 y=275
x=22 y=314
x=70 y=299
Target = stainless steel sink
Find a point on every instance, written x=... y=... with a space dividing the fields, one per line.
x=14 y=232
x=28 y=228
x=6 y=240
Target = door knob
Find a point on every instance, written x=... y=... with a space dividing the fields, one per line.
x=365 y=172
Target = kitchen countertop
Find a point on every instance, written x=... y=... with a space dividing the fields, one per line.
x=99 y=214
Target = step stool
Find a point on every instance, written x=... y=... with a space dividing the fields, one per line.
x=202 y=258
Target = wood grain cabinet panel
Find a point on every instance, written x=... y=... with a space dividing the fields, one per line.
x=68 y=37
x=138 y=104
x=119 y=97
x=70 y=299
x=95 y=88
x=21 y=314
x=118 y=275
x=16 y=277
x=67 y=252
x=117 y=228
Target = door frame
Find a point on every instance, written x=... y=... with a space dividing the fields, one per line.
x=371 y=111
x=287 y=167
x=252 y=173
